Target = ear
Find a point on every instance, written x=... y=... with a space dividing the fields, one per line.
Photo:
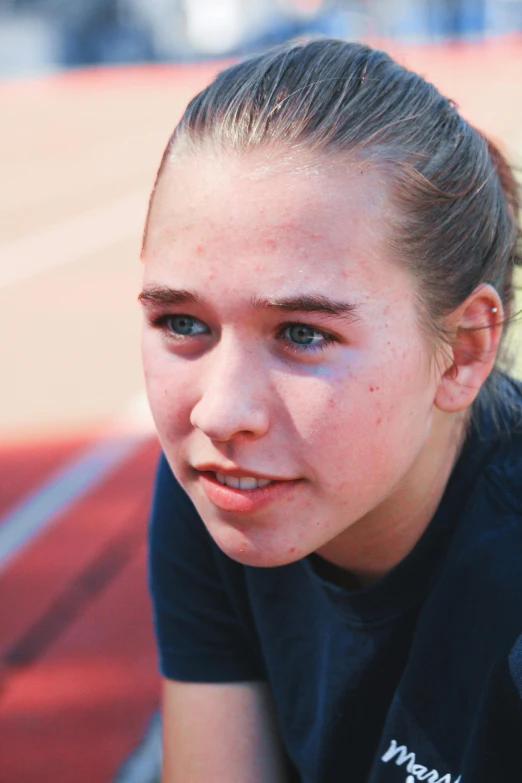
x=477 y=327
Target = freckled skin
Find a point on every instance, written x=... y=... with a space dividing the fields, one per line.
x=365 y=462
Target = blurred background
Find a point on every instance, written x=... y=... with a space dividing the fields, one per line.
x=89 y=94
x=43 y=35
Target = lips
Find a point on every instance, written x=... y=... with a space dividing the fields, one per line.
x=228 y=495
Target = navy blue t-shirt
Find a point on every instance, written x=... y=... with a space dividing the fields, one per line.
x=418 y=677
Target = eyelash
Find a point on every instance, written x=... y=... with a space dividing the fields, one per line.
x=161 y=322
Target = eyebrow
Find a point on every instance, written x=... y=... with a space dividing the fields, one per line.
x=168 y=296
x=304 y=303
x=309 y=303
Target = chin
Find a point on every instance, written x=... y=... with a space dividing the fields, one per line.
x=260 y=551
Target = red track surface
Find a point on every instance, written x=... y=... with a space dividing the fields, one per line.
x=23 y=467
x=78 y=672
x=78 y=680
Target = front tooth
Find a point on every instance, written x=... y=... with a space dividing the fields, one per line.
x=247 y=482
x=232 y=481
x=263 y=482
x=220 y=477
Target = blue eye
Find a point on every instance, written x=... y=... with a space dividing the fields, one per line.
x=304 y=336
x=185 y=325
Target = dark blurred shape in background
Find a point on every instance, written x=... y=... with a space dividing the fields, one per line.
x=42 y=35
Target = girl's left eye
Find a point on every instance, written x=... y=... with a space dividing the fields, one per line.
x=303 y=337
x=185 y=325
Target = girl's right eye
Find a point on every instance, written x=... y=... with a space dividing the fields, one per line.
x=183 y=325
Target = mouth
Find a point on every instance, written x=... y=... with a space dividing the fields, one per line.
x=243 y=494
x=244 y=483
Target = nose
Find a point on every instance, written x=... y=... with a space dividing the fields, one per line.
x=234 y=395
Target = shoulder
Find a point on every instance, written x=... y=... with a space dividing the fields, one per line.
x=485 y=554
x=168 y=493
x=174 y=520
x=497 y=432
x=179 y=546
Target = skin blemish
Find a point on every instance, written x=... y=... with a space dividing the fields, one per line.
x=200 y=249
x=291 y=550
x=378 y=421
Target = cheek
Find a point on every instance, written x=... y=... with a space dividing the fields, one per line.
x=354 y=396
x=329 y=415
x=366 y=422
x=168 y=391
x=309 y=403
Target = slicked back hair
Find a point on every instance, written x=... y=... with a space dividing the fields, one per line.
x=455 y=195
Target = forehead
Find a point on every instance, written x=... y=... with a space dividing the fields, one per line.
x=313 y=219
x=276 y=189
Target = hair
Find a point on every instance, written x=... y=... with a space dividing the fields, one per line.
x=456 y=222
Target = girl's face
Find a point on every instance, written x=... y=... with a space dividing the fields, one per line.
x=282 y=351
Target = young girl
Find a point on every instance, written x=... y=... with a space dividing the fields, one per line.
x=336 y=538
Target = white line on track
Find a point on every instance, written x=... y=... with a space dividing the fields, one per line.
x=37 y=512
x=73 y=239
x=144 y=764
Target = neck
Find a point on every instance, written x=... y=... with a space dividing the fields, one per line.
x=377 y=542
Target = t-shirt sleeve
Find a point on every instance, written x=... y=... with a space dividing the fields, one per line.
x=200 y=635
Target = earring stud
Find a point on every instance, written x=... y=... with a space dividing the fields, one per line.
x=494 y=309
